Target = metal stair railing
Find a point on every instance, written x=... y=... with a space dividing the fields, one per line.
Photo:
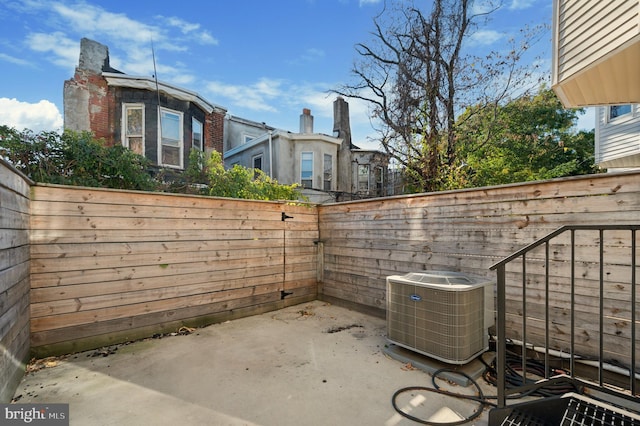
x=501 y=332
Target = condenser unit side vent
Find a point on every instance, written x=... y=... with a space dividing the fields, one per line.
x=445 y=320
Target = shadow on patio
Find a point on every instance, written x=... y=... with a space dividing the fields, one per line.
x=311 y=364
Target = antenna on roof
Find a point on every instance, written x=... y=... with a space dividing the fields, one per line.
x=155 y=72
x=155 y=76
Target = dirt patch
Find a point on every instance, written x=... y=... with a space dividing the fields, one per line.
x=343 y=328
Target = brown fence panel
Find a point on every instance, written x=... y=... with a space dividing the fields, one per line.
x=365 y=241
x=110 y=266
x=14 y=278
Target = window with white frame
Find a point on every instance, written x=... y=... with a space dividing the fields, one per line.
x=328 y=172
x=363 y=178
x=616 y=111
x=133 y=127
x=196 y=131
x=257 y=162
x=306 y=169
x=248 y=138
x=171 y=143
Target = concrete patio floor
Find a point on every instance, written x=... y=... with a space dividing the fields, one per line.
x=310 y=364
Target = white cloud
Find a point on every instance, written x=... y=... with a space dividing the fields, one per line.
x=366 y=2
x=482 y=7
x=205 y=38
x=13 y=59
x=192 y=29
x=129 y=41
x=312 y=55
x=184 y=26
x=40 y=116
x=521 y=4
x=64 y=49
x=258 y=96
x=484 y=37
x=182 y=79
x=88 y=19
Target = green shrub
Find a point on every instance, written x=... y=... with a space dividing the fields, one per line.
x=74 y=158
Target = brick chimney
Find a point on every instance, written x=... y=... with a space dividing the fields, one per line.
x=341 y=123
x=306 y=121
x=86 y=97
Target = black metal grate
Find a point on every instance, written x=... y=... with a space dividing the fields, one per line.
x=586 y=413
x=569 y=410
x=518 y=418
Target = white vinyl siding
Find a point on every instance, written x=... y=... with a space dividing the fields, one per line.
x=588 y=29
x=617 y=138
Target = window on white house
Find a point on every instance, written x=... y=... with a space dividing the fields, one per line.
x=379 y=174
x=171 y=138
x=363 y=178
x=248 y=138
x=133 y=127
x=306 y=169
x=257 y=162
x=196 y=131
x=328 y=172
x=618 y=110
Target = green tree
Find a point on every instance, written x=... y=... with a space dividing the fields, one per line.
x=422 y=70
x=241 y=182
x=194 y=179
x=74 y=158
x=530 y=138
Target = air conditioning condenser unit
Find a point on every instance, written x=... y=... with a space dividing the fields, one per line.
x=444 y=315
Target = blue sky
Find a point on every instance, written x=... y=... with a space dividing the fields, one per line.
x=262 y=60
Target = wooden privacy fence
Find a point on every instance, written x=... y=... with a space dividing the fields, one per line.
x=14 y=278
x=364 y=242
x=109 y=266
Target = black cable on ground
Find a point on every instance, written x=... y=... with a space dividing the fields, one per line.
x=480 y=399
x=513 y=379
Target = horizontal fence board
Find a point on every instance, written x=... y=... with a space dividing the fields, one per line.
x=12 y=238
x=127 y=329
x=155 y=305
x=53 y=236
x=101 y=256
x=14 y=278
x=61 y=292
x=363 y=242
x=15 y=182
x=615 y=344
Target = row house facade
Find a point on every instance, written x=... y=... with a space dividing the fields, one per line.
x=164 y=122
x=328 y=167
x=157 y=120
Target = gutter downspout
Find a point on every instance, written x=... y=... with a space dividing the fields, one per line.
x=270 y=155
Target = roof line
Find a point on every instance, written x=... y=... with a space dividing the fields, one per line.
x=141 y=82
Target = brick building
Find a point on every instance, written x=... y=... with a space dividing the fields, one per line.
x=152 y=118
